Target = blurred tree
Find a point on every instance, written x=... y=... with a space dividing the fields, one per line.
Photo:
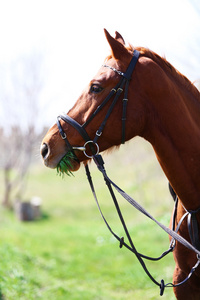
x=20 y=91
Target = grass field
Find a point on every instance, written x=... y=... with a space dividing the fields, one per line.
x=69 y=253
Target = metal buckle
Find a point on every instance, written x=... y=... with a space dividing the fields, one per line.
x=172 y=244
x=99 y=133
x=97 y=149
x=63 y=135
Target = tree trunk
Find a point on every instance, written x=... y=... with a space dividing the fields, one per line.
x=6 y=202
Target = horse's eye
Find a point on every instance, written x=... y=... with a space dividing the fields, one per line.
x=95 y=88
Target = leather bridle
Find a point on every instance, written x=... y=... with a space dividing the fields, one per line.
x=115 y=92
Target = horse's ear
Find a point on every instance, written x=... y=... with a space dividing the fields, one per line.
x=117 y=45
x=119 y=38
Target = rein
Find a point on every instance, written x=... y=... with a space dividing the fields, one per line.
x=172 y=232
x=192 y=221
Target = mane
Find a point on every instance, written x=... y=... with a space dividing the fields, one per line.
x=165 y=65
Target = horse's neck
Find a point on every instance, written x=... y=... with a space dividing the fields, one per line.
x=175 y=137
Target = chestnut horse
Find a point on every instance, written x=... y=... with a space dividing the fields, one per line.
x=163 y=107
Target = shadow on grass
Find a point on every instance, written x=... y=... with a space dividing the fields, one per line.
x=1 y=296
x=44 y=216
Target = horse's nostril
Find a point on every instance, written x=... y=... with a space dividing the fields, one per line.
x=44 y=150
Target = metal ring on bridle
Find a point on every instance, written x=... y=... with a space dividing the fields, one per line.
x=97 y=149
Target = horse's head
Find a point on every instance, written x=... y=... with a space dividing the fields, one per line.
x=91 y=109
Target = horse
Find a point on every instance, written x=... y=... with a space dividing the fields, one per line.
x=162 y=106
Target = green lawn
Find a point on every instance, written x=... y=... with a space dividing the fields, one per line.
x=69 y=253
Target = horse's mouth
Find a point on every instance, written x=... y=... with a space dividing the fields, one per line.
x=68 y=164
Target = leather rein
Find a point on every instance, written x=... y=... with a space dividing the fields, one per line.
x=191 y=215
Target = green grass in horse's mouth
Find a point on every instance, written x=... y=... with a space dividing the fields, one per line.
x=65 y=165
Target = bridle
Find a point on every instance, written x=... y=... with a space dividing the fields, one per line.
x=115 y=92
x=191 y=215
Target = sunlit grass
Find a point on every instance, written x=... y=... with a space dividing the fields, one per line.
x=69 y=253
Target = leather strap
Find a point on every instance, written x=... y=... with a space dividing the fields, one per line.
x=172 y=232
x=117 y=90
x=132 y=64
x=76 y=125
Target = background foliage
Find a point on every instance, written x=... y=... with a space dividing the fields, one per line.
x=69 y=253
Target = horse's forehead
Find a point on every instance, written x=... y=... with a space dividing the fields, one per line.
x=112 y=61
x=105 y=73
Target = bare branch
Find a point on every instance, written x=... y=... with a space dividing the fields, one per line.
x=20 y=90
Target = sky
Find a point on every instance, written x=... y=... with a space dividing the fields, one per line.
x=70 y=37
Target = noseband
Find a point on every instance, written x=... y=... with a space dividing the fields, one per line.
x=116 y=92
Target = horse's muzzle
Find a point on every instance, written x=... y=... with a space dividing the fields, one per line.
x=44 y=150
x=52 y=161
